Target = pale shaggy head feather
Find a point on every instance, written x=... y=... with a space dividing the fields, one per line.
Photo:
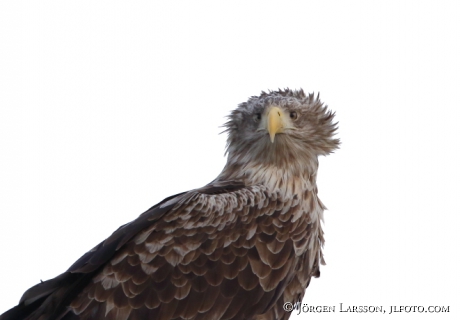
x=294 y=152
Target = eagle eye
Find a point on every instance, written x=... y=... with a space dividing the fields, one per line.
x=293 y=115
x=257 y=117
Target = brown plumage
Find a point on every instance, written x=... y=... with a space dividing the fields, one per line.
x=238 y=248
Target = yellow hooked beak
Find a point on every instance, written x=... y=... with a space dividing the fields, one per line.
x=274 y=123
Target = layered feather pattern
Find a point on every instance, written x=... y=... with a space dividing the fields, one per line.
x=219 y=256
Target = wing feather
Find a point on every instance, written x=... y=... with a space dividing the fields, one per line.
x=223 y=251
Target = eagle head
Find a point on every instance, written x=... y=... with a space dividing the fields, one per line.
x=284 y=129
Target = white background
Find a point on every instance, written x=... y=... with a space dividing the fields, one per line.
x=108 y=107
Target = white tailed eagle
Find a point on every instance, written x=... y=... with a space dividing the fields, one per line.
x=237 y=248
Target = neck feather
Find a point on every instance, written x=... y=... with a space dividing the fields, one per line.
x=288 y=176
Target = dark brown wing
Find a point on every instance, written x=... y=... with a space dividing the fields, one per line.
x=226 y=255
x=221 y=252
x=205 y=259
x=48 y=297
